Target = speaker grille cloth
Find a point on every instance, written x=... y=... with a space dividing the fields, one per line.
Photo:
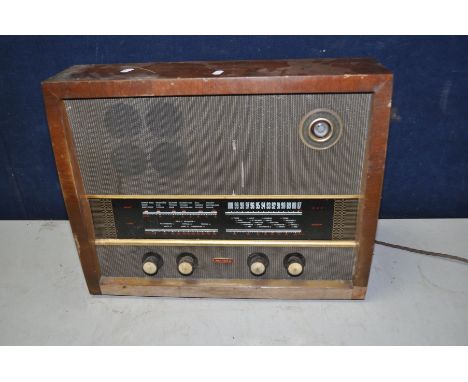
x=321 y=263
x=241 y=144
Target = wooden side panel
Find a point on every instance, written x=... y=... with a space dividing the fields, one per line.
x=72 y=189
x=372 y=181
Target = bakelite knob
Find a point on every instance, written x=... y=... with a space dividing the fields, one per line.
x=294 y=264
x=258 y=263
x=186 y=264
x=152 y=262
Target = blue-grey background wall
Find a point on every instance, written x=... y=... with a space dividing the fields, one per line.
x=427 y=164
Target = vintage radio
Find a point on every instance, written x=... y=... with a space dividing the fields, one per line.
x=247 y=179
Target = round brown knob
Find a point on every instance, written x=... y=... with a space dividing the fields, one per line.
x=294 y=264
x=258 y=263
x=186 y=264
x=152 y=262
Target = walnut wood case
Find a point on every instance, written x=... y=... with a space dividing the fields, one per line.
x=321 y=78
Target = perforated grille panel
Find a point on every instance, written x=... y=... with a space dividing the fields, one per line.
x=103 y=218
x=245 y=144
x=344 y=219
x=320 y=263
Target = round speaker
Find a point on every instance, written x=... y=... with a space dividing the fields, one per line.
x=128 y=159
x=168 y=155
x=122 y=121
x=169 y=159
x=164 y=120
x=320 y=129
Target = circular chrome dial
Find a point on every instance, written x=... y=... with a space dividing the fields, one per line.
x=321 y=129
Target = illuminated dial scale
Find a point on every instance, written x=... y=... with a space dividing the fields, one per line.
x=307 y=219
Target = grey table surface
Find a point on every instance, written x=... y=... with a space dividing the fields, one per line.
x=412 y=299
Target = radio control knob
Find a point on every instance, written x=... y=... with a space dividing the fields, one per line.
x=186 y=264
x=295 y=269
x=152 y=262
x=258 y=263
x=294 y=264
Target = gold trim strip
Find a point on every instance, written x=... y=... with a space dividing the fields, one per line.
x=223 y=196
x=228 y=243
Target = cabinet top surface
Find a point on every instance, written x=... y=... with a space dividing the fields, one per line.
x=221 y=69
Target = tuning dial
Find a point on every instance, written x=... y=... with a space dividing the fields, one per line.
x=258 y=263
x=186 y=264
x=152 y=262
x=294 y=264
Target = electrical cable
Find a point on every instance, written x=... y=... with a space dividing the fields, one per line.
x=421 y=252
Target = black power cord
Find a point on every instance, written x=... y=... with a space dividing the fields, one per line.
x=421 y=252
